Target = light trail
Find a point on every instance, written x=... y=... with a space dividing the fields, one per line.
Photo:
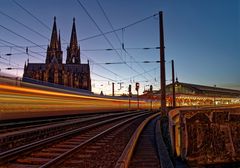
x=24 y=102
x=52 y=93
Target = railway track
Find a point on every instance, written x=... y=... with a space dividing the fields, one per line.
x=15 y=125
x=123 y=141
x=16 y=157
x=27 y=133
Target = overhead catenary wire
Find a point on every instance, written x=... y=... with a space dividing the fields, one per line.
x=136 y=48
x=101 y=35
x=82 y=54
x=102 y=76
x=4 y=63
x=21 y=36
x=99 y=29
x=23 y=47
x=27 y=27
x=20 y=48
x=108 y=20
x=134 y=76
x=137 y=62
x=36 y=18
x=8 y=60
x=85 y=10
x=121 y=43
x=30 y=13
x=139 y=74
x=41 y=55
x=33 y=16
x=97 y=49
x=114 y=30
x=119 y=29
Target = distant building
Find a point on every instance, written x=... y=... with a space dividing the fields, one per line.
x=72 y=74
x=193 y=95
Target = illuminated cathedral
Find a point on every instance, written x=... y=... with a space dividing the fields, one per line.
x=72 y=74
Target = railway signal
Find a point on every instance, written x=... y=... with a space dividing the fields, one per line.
x=151 y=95
x=137 y=86
x=137 y=89
x=129 y=96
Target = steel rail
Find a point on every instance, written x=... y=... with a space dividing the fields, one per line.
x=13 y=153
x=35 y=134
x=64 y=123
x=61 y=157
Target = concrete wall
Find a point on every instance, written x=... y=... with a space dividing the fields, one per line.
x=206 y=136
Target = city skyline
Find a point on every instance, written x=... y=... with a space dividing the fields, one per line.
x=201 y=38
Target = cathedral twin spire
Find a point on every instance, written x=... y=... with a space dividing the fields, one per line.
x=54 y=51
x=54 y=44
x=73 y=51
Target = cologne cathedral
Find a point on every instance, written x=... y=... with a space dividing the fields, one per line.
x=72 y=74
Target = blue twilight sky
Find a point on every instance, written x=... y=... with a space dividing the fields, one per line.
x=202 y=36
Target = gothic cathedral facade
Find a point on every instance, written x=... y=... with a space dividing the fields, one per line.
x=72 y=74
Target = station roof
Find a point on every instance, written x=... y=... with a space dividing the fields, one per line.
x=207 y=90
x=195 y=89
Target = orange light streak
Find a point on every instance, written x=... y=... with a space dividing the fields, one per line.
x=21 y=102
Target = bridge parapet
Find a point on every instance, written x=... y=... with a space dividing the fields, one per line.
x=205 y=136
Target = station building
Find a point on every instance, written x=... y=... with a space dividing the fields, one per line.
x=196 y=95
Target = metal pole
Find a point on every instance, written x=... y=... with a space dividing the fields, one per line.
x=129 y=96
x=151 y=96
x=151 y=103
x=138 y=99
x=113 y=89
x=173 y=87
x=214 y=98
x=129 y=103
x=162 y=66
